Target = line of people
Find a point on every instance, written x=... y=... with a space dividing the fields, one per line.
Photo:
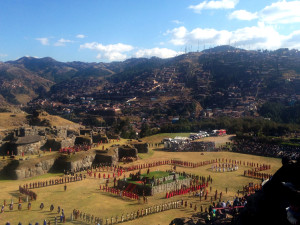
x=75 y=148
x=257 y=175
x=31 y=194
x=61 y=218
x=120 y=193
x=188 y=164
x=89 y=218
x=62 y=180
x=183 y=191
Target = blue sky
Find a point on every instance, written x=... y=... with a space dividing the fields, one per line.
x=115 y=30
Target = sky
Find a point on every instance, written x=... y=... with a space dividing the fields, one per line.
x=116 y=30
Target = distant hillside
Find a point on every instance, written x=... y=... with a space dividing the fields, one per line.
x=216 y=77
x=29 y=77
x=222 y=48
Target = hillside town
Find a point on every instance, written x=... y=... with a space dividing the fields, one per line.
x=191 y=89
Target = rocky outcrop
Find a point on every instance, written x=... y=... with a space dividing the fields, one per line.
x=18 y=169
x=109 y=156
x=83 y=163
x=38 y=169
x=56 y=143
x=142 y=147
x=82 y=140
x=30 y=167
x=127 y=151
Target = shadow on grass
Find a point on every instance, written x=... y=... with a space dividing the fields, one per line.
x=15 y=194
x=79 y=222
x=161 y=150
x=121 y=198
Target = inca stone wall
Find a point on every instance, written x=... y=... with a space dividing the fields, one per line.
x=109 y=156
x=29 y=149
x=38 y=169
x=83 y=163
x=67 y=142
x=162 y=188
x=127 y=151
x=56 y=144
x=141 y=147
x=170 y=186
x=98 y=138
x=106 y=159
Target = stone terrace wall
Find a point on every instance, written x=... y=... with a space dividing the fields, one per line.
x=17 y=169
x=141 y=147
x=127 y=151
x=29 y=149
x=56 y=144
x=85 y=162
x=148 y=190
x=170 y=186
x=38 y=169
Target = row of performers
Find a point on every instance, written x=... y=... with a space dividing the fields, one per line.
x=252 y=188
x=25 y=191
x=104 y=175
x=168 y=162
x=194 y=165
x=184 y=191
x=85 y=147
x=116 y=191
x=250 y=173
x=52 y=182
x=191 y=164
x=106 y=168
x=75 y=148
x=147 y=165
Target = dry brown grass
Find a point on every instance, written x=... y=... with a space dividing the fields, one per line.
x=12 y=120
x=16 y=120
x=57 y=121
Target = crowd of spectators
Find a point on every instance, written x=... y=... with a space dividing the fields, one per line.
x=75 y=148
x=256 y=147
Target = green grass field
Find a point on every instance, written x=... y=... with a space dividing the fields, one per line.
x=156 y=174
x=86 y=196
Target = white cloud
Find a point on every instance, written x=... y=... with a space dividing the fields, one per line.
x=43 y=41
x=2 y=55
x=292 y=40
x=261 y=36
x=112 y=52
x=107 y=48
x=158 y=52
x=281 y=12
x=221 y=4
x=177 y=22
x=81 y=36
x=62 y=42
x=120 y=52
x=257 y=37
x=243 y=15
x=112 y=56
x=179 y=35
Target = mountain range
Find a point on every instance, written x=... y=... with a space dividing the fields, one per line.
x=209 y=76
